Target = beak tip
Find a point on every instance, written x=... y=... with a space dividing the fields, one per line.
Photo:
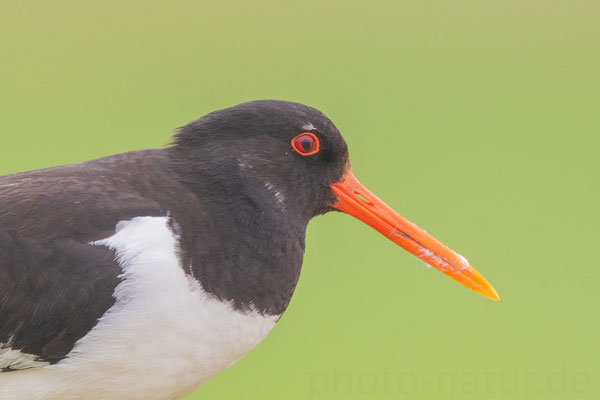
x=492 y=294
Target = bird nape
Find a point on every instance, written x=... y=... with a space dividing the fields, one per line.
x=145 y=274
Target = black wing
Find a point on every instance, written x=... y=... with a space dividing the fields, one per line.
x=52 y=294
x=54 y=285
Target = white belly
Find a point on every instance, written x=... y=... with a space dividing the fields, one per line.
x=164 y=337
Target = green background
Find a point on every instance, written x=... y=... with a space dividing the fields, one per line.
x=477 y=120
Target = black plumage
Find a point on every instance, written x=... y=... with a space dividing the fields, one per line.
x=221 y=182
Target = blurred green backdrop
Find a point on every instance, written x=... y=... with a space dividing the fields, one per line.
x=478 y=120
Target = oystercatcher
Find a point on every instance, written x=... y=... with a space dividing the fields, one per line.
x=144 y=274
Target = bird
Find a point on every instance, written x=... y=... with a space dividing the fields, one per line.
x=142 y=275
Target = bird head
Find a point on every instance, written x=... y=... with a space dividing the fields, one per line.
x=289 y=159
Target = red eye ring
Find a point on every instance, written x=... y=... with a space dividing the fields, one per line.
x=306 y=144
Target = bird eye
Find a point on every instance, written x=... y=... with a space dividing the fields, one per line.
x=306 y=144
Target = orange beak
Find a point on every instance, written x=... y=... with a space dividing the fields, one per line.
x=354 y=199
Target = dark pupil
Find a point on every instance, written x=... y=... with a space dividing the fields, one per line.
x=306 y=144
